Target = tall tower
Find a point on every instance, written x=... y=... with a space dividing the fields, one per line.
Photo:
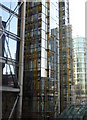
x=65 y=43
x=41 y=70
x=79 y=68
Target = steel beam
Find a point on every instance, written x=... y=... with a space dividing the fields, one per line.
x=21 y=58
x=8 y=10
x=9 y=89
x=10 y=35
x=8 y=61
x=13 y=109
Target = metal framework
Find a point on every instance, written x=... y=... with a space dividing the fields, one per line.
x=41 y=62
x=66 y=68
x=18 y=80
x=78 y=111
x=43 y=88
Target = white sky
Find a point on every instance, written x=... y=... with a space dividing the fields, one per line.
x=77 y=17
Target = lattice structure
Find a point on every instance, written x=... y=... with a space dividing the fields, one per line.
x=66 y=68
x=11 y=85
x=41 y=60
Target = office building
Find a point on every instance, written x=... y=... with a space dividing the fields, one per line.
x=48 y=46
x=41 y=70
x=79 y=66
x=45 y=89
x=66 y=66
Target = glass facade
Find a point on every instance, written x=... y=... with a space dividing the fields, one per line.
x=8 y=62
x=47 y=28
x=41 y=70
x=66 y=66
x=75 y=112
x=79 y=66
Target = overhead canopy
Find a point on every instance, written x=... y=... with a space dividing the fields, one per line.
x=74 y=112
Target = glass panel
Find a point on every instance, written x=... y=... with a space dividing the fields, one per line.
x=43 y=34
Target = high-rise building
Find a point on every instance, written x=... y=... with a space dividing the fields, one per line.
x=45 y=92
x=65 y=43
x=79 y=67
x=41 y=71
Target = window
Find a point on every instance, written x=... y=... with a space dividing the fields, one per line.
x=43 y=34
x=39 y=63
x=43 y=9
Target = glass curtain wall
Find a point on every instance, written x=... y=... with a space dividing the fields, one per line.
x=65 y=43
x=41 y=70
x=79 y=68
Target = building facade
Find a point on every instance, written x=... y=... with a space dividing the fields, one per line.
x=79 y=66
x=48 y=47
x=41 y=71
x=66 y=66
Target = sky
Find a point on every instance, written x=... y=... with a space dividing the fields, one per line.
x=77 y=17
x=13 y=28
